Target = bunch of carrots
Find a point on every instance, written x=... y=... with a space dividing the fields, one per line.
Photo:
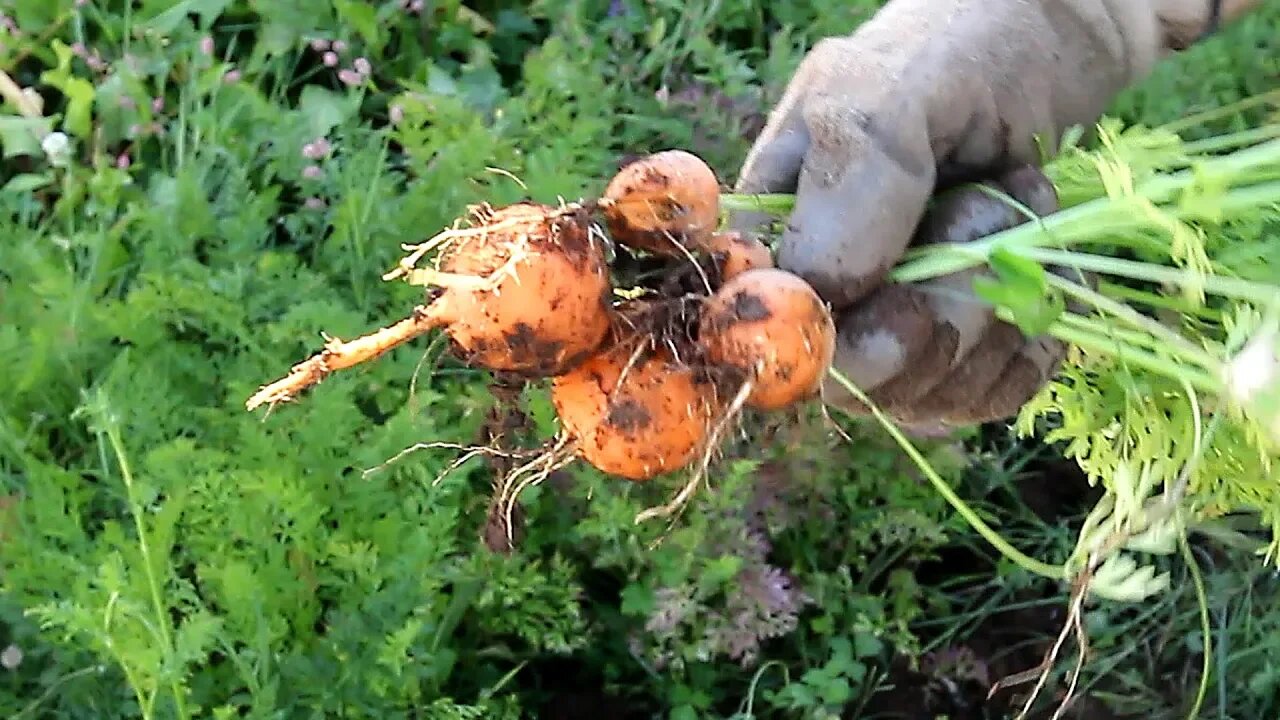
x=644 y=380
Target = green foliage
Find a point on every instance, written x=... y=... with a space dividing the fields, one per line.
x=226 y=197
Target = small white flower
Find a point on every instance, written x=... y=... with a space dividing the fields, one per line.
x=11 y=657
x=1254 y=368
x=57 y=147
x=1252 y=379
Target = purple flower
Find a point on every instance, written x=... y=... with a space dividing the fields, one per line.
x=339 y=46
x=314 y=203
x=770 y=588
x=672 y=607
x=330 y=59
x=362 y=66
x=416 y=6
x=350 y=77
x=397 y=114
x=316 y=150
x=232 y=76
x=157 y=105
x=206 y=45
x=319 y=44
x=312 y=172
x=123 y=161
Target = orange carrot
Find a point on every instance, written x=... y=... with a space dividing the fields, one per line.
x=735 y=253
x=663 y=201
x=525 y=290
x=770 y=325
x=636 y=415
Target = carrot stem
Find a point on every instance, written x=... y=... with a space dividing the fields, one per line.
x=340 y=355
x=1003 y=546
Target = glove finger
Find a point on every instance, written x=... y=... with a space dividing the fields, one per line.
x=876 y=342
x=773 y=163
x=965 y=216
x=1030 y=186
x=1020 y=379
x=960 y=319
x=862 y=189
x=924 y=369
x=972 y=379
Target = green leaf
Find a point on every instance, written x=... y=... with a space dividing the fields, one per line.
x=21 y=135
x=1017 y=270
x=26 y=182
x=362 y=17
x=1022 y=289
x=866 y=645
x=196 y=636
x=1121 y=579
x=684 y=712
x=167 y=21
x=657 y=31
x=325 y=109
x=637 y=600
x=836 y=692
x=78 y=91
x=823 y=625
x=721 y=570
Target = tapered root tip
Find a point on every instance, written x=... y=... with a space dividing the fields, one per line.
x=339 y=355
x=301 y=377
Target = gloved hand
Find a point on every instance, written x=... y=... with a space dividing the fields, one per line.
x=926 y=95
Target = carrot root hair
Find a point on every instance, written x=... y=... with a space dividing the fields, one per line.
x=680 y=501
x=561 y=454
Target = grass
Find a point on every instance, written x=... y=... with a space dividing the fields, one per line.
x=164 y=554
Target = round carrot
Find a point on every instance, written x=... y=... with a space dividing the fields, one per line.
x=528 y=294
x=525 y=290
x=663 y=200
x=735 y=253
x=636 y=415
x=770 y=325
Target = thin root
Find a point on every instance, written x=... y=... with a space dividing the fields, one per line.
x=1071 y=628
x=417 y=370
x=682 y=498
x=407 y=265
x=529 y=474
x=339 y=355
x=1082 y=639
x=469 y=452
x=436 y=278
x=702 y=275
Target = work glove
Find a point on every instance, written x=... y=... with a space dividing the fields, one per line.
x=925 y=96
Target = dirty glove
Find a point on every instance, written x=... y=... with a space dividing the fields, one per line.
x=924 y=96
